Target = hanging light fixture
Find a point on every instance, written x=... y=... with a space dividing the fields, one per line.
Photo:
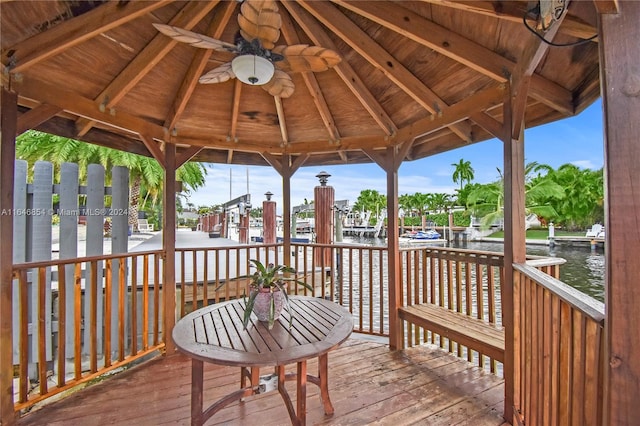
x=252 y=69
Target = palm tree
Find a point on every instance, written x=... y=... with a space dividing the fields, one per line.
x=146 y=175
x=463 y=172
x=487 y=201
x=370 y=200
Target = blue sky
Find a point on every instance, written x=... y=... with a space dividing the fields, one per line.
x=577 y=140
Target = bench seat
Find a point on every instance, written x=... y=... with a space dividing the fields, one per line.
x=471 y=332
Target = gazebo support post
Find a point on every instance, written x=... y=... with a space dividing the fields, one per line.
x=620 y=88
x=390 y=160
x=169 y=245
x=8 y=118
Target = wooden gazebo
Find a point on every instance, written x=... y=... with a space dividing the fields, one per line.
x=415 y=79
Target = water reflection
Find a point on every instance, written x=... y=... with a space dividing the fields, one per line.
x=584 y=269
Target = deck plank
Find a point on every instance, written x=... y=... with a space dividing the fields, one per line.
x=368 y=383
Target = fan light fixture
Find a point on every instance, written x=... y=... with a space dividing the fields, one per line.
x=252 y=69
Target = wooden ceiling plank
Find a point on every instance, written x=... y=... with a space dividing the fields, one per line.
x=35 y=116
x=187 y=154
x=310 y=80
x=154 y=149
x=317 y=34
x=462 y=110
x=84 y=107
x=513 y=11
x=377 y=56
x=157 y=49
x=75 y=31
x=458 y=48
x=281 y=120
x=196 y=68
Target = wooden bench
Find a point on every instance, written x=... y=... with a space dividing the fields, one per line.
x=463 y=329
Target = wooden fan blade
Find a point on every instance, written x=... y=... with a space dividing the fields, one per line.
x=280 y=85
x=260 y=19
x=218 y=75
x=302 y=57
x=195 y=39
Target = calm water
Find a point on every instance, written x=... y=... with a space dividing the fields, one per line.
x=584 y=269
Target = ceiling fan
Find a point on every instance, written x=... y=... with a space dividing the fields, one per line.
x=259 y=61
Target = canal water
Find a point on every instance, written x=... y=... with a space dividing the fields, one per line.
x=584 y=269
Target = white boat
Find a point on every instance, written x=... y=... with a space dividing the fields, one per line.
x=422 y=237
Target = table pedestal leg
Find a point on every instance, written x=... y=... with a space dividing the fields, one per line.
x=196 y=392
x=301 y=382
x=323 y=362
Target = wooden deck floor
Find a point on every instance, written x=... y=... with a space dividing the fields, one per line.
x=368 y=385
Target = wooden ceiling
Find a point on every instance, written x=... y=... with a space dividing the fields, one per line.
x=428 y=74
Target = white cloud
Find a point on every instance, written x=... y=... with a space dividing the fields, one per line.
x=585 y=164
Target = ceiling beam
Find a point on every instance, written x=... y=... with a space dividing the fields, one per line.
x=35 y=116
x=514 y=11
x=458 y=112
x=460 y=49
x=281 y=120
x=154 y=149
x=75 y=31
x=147 y=59
x=235 y=110
x=317 y=34
x=521 y=79
x=76 y=104
x=377 y=56
x=184 y=155
x=310 y=80
x=198 y=63
x=153 y=53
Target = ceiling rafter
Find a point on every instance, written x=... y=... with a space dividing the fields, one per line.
x=521 y=76
x=461 y=111
x=79 y=105
x=35 y=116
x=317 y=34
x=380 y=58
x=281 y=120
x=458 y=48
x=310 y=80
x=75 y=31
x=235 y=110
x=514 y=11
x=158 y=48
x=154 y=149
x=196 y=68
x=184 y=155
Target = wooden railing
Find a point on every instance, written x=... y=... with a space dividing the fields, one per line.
x=77 y=319
x=559 y=363
x=353 y=276
x=96 y=322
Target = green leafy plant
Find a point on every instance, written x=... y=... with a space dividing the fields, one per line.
x=274 y=278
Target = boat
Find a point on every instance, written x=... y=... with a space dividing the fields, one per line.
x=422 y=237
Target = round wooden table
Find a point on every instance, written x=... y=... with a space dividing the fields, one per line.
x=215 y=334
